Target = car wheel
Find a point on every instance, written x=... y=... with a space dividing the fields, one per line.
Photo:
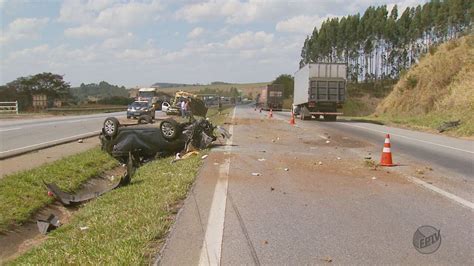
x=145 y=119
x=110 y=127
x=169 y=129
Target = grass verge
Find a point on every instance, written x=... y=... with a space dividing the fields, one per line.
x=23 y=193
x=124 y=225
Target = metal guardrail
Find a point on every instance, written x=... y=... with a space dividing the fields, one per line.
x=9 y=107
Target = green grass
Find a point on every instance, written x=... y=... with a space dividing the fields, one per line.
x=126 y=224
x=429 y=122
x=356 y=107
x=23 y=193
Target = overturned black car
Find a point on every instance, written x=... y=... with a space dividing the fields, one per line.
x=148 y=141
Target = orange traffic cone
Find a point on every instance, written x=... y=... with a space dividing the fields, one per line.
x=270 y=115
x=292 y=119
x=386 y=159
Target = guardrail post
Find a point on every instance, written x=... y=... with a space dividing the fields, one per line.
x=16 y=106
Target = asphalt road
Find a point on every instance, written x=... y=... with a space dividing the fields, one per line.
x=18 y=136
x=283 y=195
x=454 y=155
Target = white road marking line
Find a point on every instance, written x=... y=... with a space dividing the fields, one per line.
x=424 y=141
x=444 y=193
x=10 y=129
x=212 y=243
x=48 y=142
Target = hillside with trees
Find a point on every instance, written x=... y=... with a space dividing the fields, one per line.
x=438 y=89
x=100 y=91
x=380 y=44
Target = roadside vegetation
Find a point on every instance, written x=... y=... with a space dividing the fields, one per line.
x=438 y=89
x=125 y=226
x=23 y=193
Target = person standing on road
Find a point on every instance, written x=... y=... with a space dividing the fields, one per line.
x=183 y=108
x=187 y=107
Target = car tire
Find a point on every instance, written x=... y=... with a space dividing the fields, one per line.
x=110 y=126
x=169 y=129
x=145 y=119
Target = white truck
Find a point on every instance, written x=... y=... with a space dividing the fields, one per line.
x=320 y=89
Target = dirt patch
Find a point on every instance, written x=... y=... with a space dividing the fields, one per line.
x=23 y=237
x=335 y=140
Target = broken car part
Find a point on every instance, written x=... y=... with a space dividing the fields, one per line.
x=51 y=223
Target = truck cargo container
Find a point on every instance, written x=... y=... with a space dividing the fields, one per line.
x=320 y=90
x=271 y=97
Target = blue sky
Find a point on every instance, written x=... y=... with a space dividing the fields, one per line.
x=137 y=43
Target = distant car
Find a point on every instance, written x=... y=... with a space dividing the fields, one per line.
x=139 y=108
x=165 y=106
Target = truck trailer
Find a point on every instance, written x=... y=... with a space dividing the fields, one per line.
x=320 y=90
x=271 y=97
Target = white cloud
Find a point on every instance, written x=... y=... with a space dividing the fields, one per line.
x=23 y=28
x=79 y=11
x=106 y=17
x=120 y=42
x=301 y=24
x=249 y=40
x=234 y=11
x=195 y=33
x=87 y=31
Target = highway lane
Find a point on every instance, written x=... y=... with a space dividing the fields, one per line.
x=312 y=202
x=18 y=136
x=452 y=154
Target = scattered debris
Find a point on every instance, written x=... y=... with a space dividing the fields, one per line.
x=216 y=163
x=265 y=242
x=189 y=154
x=262 y=159
x=272 y=188
x=373 y=178
x=71 y=199
x=263 y=151
x=328 y=141
x=419 y=171
x=287 y=169
x=256 y=174
x=448 y=125
x=82 y=228
x=51 y=223
x=368 y=157
x=204 y=156
x=338 y=158
x=327 y=259
x=320 y=163
x=273 y=140
x=429 y=168
x=80 y=141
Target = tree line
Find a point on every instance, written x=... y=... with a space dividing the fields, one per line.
x=380 y=44
x=54 y=87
